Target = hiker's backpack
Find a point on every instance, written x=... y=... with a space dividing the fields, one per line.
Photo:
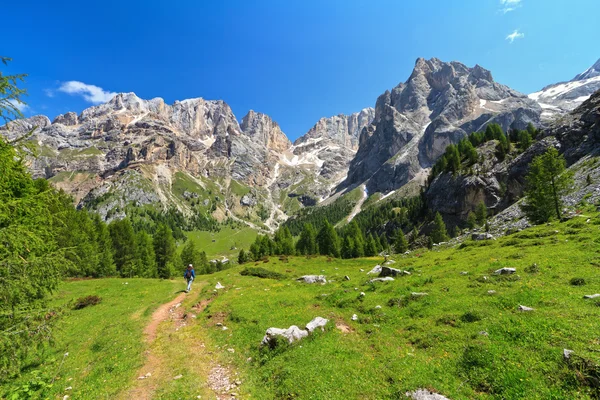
x=188 y=274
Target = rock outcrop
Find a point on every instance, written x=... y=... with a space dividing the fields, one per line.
x=415 y=121
x=262 y=129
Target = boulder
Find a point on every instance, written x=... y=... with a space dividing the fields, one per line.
x=481 y=236
x=313 y=279
x=388 y=271
x=567 y=354
x=376 y=269
x=292 y=334
x=525 y=308
x=424 y=394
x=591 y=296
x=318 y=322
x=384 y=279
x=505 y=271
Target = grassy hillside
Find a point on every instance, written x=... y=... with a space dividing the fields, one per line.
x=104 y=342
x=226 y=242
x=459 y=339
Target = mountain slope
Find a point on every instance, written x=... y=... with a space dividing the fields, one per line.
x=439 y=104
x=559 y=98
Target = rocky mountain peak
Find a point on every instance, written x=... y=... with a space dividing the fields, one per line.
x=591 y=72
x=440 y=103
x=563 y=97
x=261 y=128
x=342 y=130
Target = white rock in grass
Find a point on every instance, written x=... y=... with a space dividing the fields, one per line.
x=376 y=269
x=591 y=296
x=378 y=307
x=525 y=308
x=464 y=273
x=424 y=394
x=505 y=271
x=567 y=353
x=292 y=334
x=491 y=292
x=318 y=322
x=418 y=294
x=178 y=377
x=384 y=279
x=354 y=317
x=347 y=277
x=362 y=294
x=313 y=279
x=219 y=286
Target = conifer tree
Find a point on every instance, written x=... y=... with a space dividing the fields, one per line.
x=106 y=265
x=547 y=182
x=439 y=233
x=328 y=241
x=401 y=243
x=145 y=258
x=307 y=243
x=124 y=246
x=165 y=251
x=370 y=246
x=471 y=220
x=242 y=258
x=481 y=213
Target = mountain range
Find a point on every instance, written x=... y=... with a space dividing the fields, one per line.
x=196 y=157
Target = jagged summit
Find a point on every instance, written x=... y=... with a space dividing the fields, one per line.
x=439 y=104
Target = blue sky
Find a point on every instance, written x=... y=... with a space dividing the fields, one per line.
x=296 y=61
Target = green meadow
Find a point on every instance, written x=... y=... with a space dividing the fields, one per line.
x=460 y=339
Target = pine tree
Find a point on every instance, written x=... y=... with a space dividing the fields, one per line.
x=106 y=265
x=189 y=255
x=439 y=233
x=429 y=242
x=145 y=258
x=481 y=213
x=124 y=246
x=328 y=241
x=547 y=182
x=401 y=243
x=242 y=258
x=165 y=251
x=347 y=250
x=471 y=220
x=307 y=243
x=525 y=140
x=355 y=233
x=370 y=246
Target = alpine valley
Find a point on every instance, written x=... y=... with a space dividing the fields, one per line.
x=196 y=157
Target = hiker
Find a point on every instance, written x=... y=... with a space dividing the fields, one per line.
x=189 y=276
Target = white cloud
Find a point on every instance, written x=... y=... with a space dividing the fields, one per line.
x=19 y=106
x=91 y=93
x=49 y=92
x=515 y=35
x=510 y=5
